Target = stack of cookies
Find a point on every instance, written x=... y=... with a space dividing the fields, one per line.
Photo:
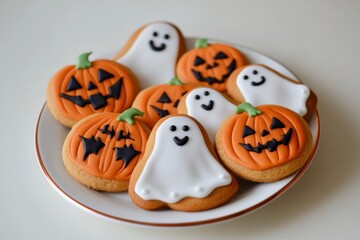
x=177 y=128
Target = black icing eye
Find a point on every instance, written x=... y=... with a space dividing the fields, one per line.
x=197 y=97
x=247 y=131
x=206 y=93
x=246 y=77
x=198 y=61
x=167 y=36
x=276 y=123
x=73 y=84
x=155 y=34
x=173 y=128
x=220 y=55
x=255 y=72
x=264 y=133
x=186 y=128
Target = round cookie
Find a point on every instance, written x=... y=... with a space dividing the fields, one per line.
x=264 y=144
x=77 y=91
x=152 y=52
x=208 y=106
x=180 y=169
x=160 y=100
x=209 y=65
x=259 y=85
x=102 y=150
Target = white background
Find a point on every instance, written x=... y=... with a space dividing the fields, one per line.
x=317 y=40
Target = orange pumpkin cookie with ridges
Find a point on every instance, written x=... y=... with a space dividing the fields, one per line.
x=209 y=65
x=102 y=150
x=161 y=100
x=264 y=144
x=77 y=91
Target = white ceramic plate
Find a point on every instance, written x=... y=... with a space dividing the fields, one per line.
x=117 y=206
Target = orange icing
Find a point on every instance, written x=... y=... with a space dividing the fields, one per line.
x=59 y=82
x=149 y=97
x=104 y=163
x=232 y=137
x=186 y=64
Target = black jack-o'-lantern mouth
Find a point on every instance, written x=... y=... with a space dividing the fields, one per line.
x=270 y=145
x=208 y=79
x=160 y=47
x=97 y=100
x=93 y=146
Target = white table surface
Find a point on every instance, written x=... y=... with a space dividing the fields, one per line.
x=318 y=40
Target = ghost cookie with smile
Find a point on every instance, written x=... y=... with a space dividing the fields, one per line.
x=259 y=84
x=264 y=144
x=77 y=91
x=102 y=150
x=180 y=170
x=208 y=106
x=209 y=65
x=152 y=52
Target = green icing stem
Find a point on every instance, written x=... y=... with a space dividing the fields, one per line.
x=129 y=114
x=83 y=61
x=175 y=81
x=201 y=43
x=248 y=108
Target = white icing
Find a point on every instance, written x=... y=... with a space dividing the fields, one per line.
x=174 y=172
x=210 y=119
x=275 y=89
x=153 y=67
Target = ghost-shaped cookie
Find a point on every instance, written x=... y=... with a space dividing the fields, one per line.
x=259 y=85
x=208 y=106
x=152 y=53
x=179 y=169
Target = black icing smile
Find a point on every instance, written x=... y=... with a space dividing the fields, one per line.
x=97 y=100
x=259 y=83
x=269 y=145
x=209 y=106
x=181 y=141
x=211 y=80
x=157 y=48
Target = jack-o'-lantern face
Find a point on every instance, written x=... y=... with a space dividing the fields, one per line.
x=267 y=136
x=107 y=147
x=209 y=64
x=161 y=100
x=89 y=87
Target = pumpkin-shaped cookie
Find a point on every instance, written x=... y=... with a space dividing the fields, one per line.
x=160 y=100
x=102 y=150
x=209 y=65
x=77 y=91
x=264 y=144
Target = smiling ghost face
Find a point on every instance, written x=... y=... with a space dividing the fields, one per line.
x=153 y=54
x=209 y=107
x=259 y=85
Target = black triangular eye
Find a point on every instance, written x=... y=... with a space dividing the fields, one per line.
x=164 y=98
x=91 y=86
x=247 y=131
x=221 y=55
x=276 y=123
x=264 y=133
x=73 y=84
x=103 y=75
x=198 y=61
